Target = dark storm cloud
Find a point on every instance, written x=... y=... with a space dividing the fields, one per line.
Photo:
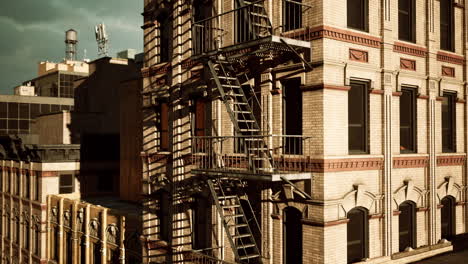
x=34 y=30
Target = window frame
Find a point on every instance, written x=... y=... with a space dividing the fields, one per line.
x=365 y=84
x=452 y=113
x=72 y=186
x=364 y=16
x=412 y=21
x=289 y=23
x=413 y=111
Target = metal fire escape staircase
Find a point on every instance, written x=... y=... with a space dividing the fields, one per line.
x=236 y=224
x=226 y=192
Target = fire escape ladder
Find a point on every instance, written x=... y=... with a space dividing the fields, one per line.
x=234 y=220
x=251 y=138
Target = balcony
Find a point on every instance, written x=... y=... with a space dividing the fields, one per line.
x=249 y=29
x=277 y=157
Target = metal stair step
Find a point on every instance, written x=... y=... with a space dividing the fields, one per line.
x=258 y=14
x=227 y=197
x=249 y=256
x=260 y=25
x=246 y=121
x=245 y=246
x=230 y=206
x=234 y=215
x=249 y=130
x=238 y=225
x=241 y=236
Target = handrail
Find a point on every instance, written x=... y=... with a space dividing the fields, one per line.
x=227 y=12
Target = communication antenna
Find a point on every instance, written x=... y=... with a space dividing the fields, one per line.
x=102 y=39
x=71 y=40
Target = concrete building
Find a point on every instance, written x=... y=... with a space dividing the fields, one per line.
x=308 y=131
x=96 y=123
x=17 y=112
x=56 y=79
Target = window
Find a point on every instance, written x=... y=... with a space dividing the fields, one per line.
x=292 y=233
x=292 y=116
x=446 y=25
x=407 y=225
x=358 y=13
x=7 y=181
x=408 y=120
x=357 y=234
x=406 y=20
x=163 y=127
x=448 y=122
x=54 y=243
x=96 y=253
x=27 y=184
x=200 y=232
x=26 y=235
x=36 y=187
x=199 y=124
x=36 y=239
x=358 y=98
x=202 y=31
x=447 y=216
x=66 y=183
x=163 y=215
x=68 y=247
x=292 y=14
x=165 y=36
x=17 y=183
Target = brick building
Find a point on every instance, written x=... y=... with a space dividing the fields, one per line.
x=308 y=131
x=30 y=173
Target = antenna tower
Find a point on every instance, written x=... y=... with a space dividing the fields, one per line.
x=102 y=39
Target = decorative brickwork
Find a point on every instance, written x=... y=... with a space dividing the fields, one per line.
x=358 y=55
x=448 y=71
x=412 y=50
x=410 y=162
x=324 y=86
x=407 y=64
x=450 y=58
x=456 y=160
x=342 y=35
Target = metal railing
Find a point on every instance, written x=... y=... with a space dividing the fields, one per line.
x=248 y=23
x=195 y=257
x=236 y=26
x=244 y=153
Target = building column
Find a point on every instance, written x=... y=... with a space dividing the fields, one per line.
x=87 y=242
x=75 y=236
x=122 y=239
x=60 y=238
x=103 y=236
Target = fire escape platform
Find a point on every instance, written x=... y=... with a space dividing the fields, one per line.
x=244 y=175
x=273 y=42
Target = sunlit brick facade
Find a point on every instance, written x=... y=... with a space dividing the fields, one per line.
x=366 y=122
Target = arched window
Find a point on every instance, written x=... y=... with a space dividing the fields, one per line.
x=292 y=236
x=447 y=216
x=292 y=14
x=407 y=225
x=358 y=233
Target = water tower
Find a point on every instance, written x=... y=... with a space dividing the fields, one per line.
x=71 y=40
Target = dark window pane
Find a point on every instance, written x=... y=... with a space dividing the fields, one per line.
x=3 y=110
x=357 y=117
x=24 y=124
x=446 y=25
x=448 y=122
x=45 y=108
x=357 y=12
x=13 y=110
x=408 y=120
x=407 y=226
x=35 y=110
x=292 y=14
x=64 y=107
x=3 y=124
x=357 y=235
x=406 y=20
x=66 y=183
x=12 y=125
x=55 y=108
x=24 y=111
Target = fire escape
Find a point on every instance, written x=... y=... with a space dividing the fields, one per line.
x=234 y=47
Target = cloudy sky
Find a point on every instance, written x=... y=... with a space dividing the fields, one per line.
x=34 y=30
